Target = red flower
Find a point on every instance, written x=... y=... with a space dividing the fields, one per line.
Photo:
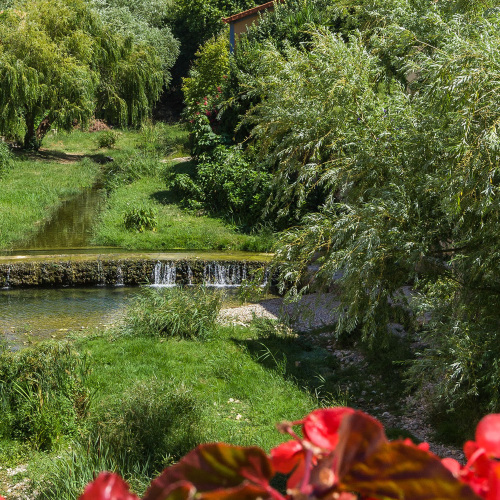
x=108 y=486
x=321 y=426
x=488 y=435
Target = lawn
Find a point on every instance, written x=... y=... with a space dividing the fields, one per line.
x=176 y=228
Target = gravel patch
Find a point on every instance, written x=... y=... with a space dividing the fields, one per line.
x=310 y=312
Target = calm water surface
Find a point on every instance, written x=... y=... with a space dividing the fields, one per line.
x=31 y=315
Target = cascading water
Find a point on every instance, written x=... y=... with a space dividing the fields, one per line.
x=164 y=274
x=119 y=276
x=224 y=275
x=7 y=278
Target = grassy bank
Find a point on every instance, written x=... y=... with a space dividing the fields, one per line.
x=137 y=397
x=135 y=400
x=175 y=229
x=33 y=189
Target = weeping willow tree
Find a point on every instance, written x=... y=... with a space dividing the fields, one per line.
x=398 y=130
x=59 y=65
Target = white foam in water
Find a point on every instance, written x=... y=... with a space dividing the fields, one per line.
x=164 y=274
x=227 y=276
x=119 y=276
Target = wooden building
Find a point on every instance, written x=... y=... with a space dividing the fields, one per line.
x=240 y=22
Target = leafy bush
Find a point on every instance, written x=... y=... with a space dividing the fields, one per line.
x=187 y=313
x=43 y=393
x=226 y=183
x=141 y=219
x=107 y=139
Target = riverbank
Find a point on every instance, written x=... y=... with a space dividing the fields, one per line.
x=201 y=385
x=32 y=191
x=137 y=212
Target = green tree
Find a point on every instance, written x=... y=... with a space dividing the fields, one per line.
x=401 y=138
x=60 y=64
x=144 y=22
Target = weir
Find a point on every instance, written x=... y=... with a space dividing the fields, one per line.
x=213 y=269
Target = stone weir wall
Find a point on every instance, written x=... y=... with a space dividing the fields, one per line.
x=116 y=272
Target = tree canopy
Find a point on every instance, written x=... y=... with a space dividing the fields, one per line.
x=379 y=122
x=60 y=64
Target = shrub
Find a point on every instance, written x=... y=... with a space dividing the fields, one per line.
x=187 y=313
x=107 y=139
x=43 y=393
x=141 y=219
x=226 y=183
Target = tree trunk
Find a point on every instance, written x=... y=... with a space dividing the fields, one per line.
x=42 y=129
x=30 y=141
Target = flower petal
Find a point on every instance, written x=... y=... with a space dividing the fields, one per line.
x=108 y=486
x=488 y=434
x=321 y=426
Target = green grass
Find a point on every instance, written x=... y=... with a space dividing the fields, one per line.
x=176 y=228
x=32 y=191
x=161 y=139
x=155 y=399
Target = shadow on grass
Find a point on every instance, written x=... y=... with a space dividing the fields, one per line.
x=308 y=359
x=308 y=365
x=60 y=156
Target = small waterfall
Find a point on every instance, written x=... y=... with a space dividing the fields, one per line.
x=7 y=279
x=164 y=274
x=224 y=275
x=101 y=277
x=119 y=275
x=190 y=275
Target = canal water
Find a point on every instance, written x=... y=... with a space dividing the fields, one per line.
x=31 y=315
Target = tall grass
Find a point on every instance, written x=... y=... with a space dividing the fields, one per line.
x=43 y=393
x=189 y=313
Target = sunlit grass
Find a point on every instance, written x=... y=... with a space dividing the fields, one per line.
x=33 y=190
x=176 y=228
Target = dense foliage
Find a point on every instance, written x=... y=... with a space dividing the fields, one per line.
x=378 y=123
x=43 y=394
x=60 y=65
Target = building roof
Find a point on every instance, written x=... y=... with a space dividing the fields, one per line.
x=249 y=12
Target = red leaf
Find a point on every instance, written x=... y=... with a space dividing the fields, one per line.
x=321 y=426
x=368 y=464
x=488 y=434
x=359 y=436
x=219 y=468
x=108 y=486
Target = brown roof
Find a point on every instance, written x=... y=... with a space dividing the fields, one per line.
x=249 y=12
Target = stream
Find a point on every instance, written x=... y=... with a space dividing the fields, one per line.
x=32 y=314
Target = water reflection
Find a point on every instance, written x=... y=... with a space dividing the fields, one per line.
x=34 y=314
